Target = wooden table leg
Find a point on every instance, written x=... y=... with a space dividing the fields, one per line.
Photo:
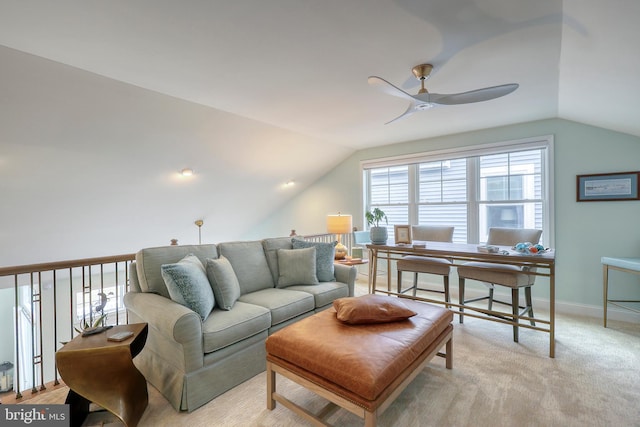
x=271 y=387
x=605 y=290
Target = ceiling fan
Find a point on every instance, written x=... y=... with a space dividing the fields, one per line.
x=425 y=100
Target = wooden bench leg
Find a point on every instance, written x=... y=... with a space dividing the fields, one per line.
x=271 y=387
x=449 y=356
x=370 y=419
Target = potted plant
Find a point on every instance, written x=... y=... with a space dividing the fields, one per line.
x=378 y=233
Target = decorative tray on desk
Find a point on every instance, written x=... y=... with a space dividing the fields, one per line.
x=527 y=248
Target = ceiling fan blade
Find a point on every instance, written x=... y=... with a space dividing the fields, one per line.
x=410 y=110
x=388 y=88
x=477 y=95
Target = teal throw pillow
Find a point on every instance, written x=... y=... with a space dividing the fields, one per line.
x=226 y=288
x=188 y=285
x=297 y=267
x=325 y=254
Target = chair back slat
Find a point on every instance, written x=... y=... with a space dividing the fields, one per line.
x=432 y=233
x=510 y=236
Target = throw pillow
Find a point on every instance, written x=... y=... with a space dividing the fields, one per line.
x=371 y=309
x=226 y=288
x=297 y=267
x=188 y=285
x=325 y=254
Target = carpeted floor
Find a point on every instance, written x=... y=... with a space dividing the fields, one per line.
x=593 y=381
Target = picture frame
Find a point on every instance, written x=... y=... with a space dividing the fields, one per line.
x=402 y=234
x=607 y=187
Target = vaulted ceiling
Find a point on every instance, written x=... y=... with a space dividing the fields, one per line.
x=302 y=65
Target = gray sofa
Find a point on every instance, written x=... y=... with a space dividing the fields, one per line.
x=191 y=360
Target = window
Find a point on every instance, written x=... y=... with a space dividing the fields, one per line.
x=389 y=191
x=473 y=189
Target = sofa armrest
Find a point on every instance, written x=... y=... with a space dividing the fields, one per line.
x=346 y=274
x=175 y=324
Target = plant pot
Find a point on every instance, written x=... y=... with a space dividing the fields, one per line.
x=378 y=235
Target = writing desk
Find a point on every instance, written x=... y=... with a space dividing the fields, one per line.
x=627 y=265
x=543 y=264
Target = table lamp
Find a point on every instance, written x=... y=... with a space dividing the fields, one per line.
x=339 y=225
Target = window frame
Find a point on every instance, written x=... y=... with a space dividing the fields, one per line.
x=545 y=142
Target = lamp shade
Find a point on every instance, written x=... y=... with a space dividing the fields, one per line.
x=339 y=224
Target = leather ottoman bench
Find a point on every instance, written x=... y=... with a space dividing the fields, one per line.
x=359 y=367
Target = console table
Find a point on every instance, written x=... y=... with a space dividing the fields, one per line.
x=542 y=264
x=101 y=371
x=627 y=265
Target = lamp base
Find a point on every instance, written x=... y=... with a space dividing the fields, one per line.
x=341 y=251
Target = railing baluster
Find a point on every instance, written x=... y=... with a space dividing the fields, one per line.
x=33 y=341
x=16 y=383
x=43 y=366
x=55 y=326
x=70 y=303
x=41 y=348
x=117 y=292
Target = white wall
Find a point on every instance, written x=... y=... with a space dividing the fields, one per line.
x=584 y=231
x=89 y=166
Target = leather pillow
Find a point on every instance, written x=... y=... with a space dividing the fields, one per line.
x=371 y=309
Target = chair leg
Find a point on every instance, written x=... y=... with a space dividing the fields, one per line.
x=415 y=283
x=527 y=296
x=515 y=308
x=447 y=298
x=491 y=298
x=461 y=298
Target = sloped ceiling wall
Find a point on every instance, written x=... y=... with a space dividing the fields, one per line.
x=89 y=166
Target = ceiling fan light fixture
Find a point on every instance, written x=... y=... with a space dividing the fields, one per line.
x=424 y=106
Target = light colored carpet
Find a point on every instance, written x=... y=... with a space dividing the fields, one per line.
x=593 y=381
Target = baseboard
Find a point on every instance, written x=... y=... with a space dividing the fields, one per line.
x=562 y=307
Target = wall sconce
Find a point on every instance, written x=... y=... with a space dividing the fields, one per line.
x=199 y=223
x=339 y=225
x=186 y=172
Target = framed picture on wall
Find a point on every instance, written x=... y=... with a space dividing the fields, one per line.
x=607 y=187
x=402 y=234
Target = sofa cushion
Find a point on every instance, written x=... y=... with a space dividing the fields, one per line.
x=224 y=282
x=284 y=304
x=325 y=254
x=271 y=246
x=249 y=263
x=223 y=328
x=149 y=260
x=297 y=267
x=188 y=285
x=323 y=293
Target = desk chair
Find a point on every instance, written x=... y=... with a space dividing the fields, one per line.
x=510 y=276
x=421 y=264
x=361 y=239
